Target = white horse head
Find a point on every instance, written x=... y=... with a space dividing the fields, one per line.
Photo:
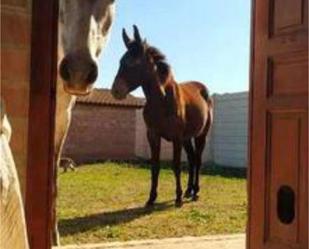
x=83 y=31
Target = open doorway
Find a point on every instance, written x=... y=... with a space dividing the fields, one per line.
x=279 y=97
x=105 y=129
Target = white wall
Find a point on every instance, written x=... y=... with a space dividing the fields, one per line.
x=227 y=142
x=229 y=138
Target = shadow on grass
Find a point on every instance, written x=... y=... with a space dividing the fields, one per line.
x=82 y=224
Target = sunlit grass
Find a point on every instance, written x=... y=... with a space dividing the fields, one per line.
x=105 y=202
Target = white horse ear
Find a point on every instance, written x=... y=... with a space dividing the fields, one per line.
x=137 y=36
x=126 y=38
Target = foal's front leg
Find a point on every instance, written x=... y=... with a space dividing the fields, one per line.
x=177 y=146
x=191 y=160
x=155 y=144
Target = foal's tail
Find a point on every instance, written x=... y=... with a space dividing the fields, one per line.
x=210 y=103
x=207 y=97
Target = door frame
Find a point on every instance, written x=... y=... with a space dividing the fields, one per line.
x=250 y=123
x=42 y=100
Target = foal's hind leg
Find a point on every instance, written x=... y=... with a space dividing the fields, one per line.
x=199 y=147
x=191 y=160
x=154 y=142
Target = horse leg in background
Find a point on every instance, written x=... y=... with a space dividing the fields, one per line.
x=191 y=160
x=67 y=163
x=155 y=144
x=65 y=168
x=177 y=146
x=72 y=165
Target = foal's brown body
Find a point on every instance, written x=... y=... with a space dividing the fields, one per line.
x=179 y=113
x=183 y=114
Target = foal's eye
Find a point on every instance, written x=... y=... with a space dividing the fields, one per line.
x=130 y=62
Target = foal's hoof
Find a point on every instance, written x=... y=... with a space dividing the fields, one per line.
x=149 y=204
x=188 y=194
x=195 y=198
x=178 y=203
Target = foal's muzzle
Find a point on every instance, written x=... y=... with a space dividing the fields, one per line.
x=120 y=89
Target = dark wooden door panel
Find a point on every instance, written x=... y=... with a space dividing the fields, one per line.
x=278 y=182
x=287 y=74
x=287 y=16
x=283 y=174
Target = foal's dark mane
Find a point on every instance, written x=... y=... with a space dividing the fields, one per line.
x=156 y=56
x=159 y=59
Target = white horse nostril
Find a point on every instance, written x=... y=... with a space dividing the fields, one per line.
x=76 y=68
x=93 y=73
x=64 y=70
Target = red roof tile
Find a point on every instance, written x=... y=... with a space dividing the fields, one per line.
x=101 y=96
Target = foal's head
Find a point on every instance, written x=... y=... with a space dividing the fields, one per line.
x=83 y=29
x=139 y=66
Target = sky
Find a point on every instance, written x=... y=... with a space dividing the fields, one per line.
x=203 y=40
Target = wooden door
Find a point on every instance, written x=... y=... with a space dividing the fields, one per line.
x=41 y=122
x=278 y=178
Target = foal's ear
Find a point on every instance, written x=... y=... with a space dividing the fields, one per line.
x=126 y=38
x=137 y=36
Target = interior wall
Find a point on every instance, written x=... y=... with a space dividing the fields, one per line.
x=15 y=75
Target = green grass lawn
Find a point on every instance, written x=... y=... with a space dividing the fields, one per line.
x=105 y=202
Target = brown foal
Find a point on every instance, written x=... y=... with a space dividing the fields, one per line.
x=178 y=113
